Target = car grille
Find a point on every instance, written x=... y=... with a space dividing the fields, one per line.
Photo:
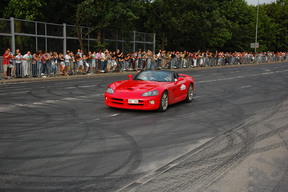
x=117 y=101
x=122 y=102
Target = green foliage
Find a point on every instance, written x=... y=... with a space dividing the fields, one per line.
x=3 y=5
x=277 y=33
x=25 y=9
x=59 y=11
x=227 y=25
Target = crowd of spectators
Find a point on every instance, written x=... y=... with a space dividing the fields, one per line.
x=49 y=64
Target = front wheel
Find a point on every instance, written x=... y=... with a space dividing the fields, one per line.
x=163 y=102
x=190 y=94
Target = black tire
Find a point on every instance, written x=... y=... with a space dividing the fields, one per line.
x=190 y=94
x=164 y=102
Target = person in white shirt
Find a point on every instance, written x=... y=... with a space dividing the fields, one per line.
x=25 y=63
x=67 y=59
x=18 y=62
x=103 y=59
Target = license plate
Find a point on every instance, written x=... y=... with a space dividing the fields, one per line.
x=133 y=101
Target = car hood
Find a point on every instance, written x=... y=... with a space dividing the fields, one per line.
x=135 y=86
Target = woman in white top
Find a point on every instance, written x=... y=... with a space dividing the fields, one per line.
x=18 y=61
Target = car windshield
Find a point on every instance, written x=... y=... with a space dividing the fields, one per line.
x=159 y=76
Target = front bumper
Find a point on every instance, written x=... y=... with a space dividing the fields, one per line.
x=144 y=103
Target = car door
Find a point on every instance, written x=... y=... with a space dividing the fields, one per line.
x=179 y=89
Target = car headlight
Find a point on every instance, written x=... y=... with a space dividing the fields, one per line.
x=150 y=93
x=110 y=90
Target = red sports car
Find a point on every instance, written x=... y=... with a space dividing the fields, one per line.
x=150 y=90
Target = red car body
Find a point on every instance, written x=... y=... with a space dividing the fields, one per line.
x=146 y=94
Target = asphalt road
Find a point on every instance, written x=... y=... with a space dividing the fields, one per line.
x=59 y=136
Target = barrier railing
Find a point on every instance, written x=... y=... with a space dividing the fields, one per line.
x=34 y=35
x=55 y=68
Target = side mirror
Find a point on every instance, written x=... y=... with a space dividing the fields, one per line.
x=130 y=77
x=180 y=79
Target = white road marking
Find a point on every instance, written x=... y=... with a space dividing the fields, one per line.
x=85 y=86
x=16 y=92
x=90 y=121
x=239 y=77
x=244 y=87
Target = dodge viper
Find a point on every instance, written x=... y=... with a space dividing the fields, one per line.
x=150 y=90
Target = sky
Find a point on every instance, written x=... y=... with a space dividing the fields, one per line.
x=255 y=2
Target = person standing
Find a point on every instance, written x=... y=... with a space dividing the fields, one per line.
x=54 y=63
x=39 y=62
x=89 y=61
x=98 y=61
x=149 y=59
x=93 y=62
x=72 y=61
x=25 y=63
x=61 y=60
x=18 y=62
x=49 y=60
x=44 y=59
x=18 y=68
x=139 y=60
x=34 y=65
x=6 y=64
x=80 y=53
x=67 y=58
x=103 y=60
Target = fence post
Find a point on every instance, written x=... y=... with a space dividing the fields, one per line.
x=46 y=46
x=154 y=43
x=145 y=40
x=64 y=38
x=36 y=38
x=88 y=42
x=134 y=39
x=12 y=26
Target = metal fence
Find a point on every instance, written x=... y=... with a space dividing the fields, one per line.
x=34 y=35
x=205 y=61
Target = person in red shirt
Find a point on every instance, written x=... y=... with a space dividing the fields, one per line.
x=6 y=63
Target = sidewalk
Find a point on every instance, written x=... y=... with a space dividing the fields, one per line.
x=56 y=78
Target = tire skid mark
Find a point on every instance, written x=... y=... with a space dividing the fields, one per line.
x=131 y=162
x=203 y=159
x=205 y=169
x=44 y=166
x=282 y=184
x=41 y=116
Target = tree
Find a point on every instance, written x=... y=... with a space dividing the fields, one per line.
x=200 y=22
x=227 y=25
x=60 y=11
x=277 y=33
x=242 y=19
x=102 y=14
x=3 y=5
x=25 y=9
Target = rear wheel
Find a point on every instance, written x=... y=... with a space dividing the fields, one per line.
x=190 y=94
x=163 y=102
